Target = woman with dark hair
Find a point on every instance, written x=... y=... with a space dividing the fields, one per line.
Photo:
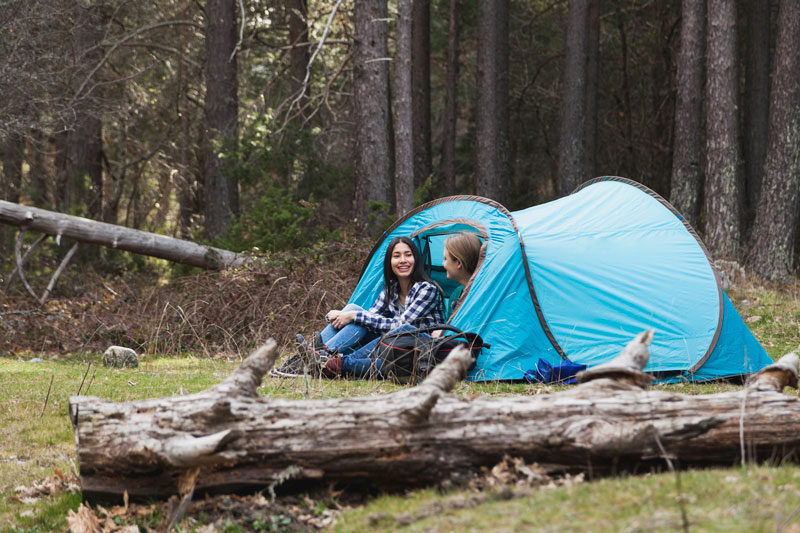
x=408 y=299
x=460 y=260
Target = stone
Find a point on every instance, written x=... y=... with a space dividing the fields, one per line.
x=120 y=357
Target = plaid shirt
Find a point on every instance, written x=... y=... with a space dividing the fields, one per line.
x=424 y=308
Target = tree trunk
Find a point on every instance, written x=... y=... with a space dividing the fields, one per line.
x=756 y=101
x=373 y=157
x=592 y=67
x=723 y=160
x=13 y=156
x=187 y=180
x=571 y=148
x=492 y=174
x=222 y=107
x=230 y=437
x=421 y=89
x=81 y=173
x=299 y=55
x=118 y=237
x=628 y=163
x=403 y=123
x=775 y=231
x=448 y=163
x=11 y=183
x=686 y=181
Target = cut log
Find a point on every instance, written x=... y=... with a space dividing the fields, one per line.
x=239 y=439
x=119 y=237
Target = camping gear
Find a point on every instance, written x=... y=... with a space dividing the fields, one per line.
x=409 y=355
x=563 y=372
x=577 y=278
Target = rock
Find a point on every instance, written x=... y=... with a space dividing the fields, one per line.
x=120 y=357
x=36 y=360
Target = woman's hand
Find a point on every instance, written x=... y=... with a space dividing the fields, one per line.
x=340 y=319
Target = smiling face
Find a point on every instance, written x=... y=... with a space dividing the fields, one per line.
x=402 y=261
x=451 y=265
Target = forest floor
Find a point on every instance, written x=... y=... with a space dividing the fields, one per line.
x=192 y=331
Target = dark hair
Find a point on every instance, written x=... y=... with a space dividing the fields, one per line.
x=417 y=273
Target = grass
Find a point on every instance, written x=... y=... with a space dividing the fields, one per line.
x=36 y=441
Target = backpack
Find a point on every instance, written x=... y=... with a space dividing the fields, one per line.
x=409 y=356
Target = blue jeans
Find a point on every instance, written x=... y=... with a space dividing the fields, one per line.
x=358 y=363
x=346 y=339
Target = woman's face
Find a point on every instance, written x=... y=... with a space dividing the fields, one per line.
x=450 y=265
x=402 y=260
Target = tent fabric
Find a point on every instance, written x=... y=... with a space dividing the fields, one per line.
x=577 y=278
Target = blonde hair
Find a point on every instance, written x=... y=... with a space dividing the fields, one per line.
x=466 y=248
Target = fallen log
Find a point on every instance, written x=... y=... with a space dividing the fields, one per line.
x=119 y=237
x=229 y=437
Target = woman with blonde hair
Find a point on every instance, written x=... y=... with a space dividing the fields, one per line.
x=462 y=252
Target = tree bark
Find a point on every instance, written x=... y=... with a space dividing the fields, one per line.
x=118 y=237
x=756 y=101
x=11 y=182
x=492 y=172
x=231 y=437
x=299 y=55
x=373 y=154
x=421 y=89
x=723 y=158
x=81 y=171
x=592 y=69
x=222 y=108
x=774 y=234
x=13 y=157
x=448 y=163
x=404 y=140
x=571 y=148
x=687 y=176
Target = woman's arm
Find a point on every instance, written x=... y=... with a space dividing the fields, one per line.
x=423 y=304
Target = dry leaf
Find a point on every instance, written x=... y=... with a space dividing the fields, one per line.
x=84 y=521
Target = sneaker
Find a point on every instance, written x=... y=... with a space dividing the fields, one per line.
x=333 y=367
x=316 y=341
x=292 y=368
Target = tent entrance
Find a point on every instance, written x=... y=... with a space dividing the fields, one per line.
x=430 y=241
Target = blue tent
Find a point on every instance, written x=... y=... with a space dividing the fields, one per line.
x=577 y=278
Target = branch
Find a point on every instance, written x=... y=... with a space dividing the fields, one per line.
x=57 y=273
x=122 y=41
x=18 y=257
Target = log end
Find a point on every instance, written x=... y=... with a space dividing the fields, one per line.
x=247 y=378
x=628 y=366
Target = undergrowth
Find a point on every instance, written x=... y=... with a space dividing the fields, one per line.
x=206 y=313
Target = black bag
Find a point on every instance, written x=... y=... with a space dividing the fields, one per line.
x=408 y=356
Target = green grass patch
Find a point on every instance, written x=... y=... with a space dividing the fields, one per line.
x=756 y=498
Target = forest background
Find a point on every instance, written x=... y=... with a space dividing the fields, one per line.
x=269 y=126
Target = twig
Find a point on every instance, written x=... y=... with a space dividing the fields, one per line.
x=187 y=484
x=58 y=272
x=18 y=257
x=84 y=377
x=681 y=503
x=89 y=386
x=241 y=33
x=304 y=88
x=48 y=396
x=24 y=257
